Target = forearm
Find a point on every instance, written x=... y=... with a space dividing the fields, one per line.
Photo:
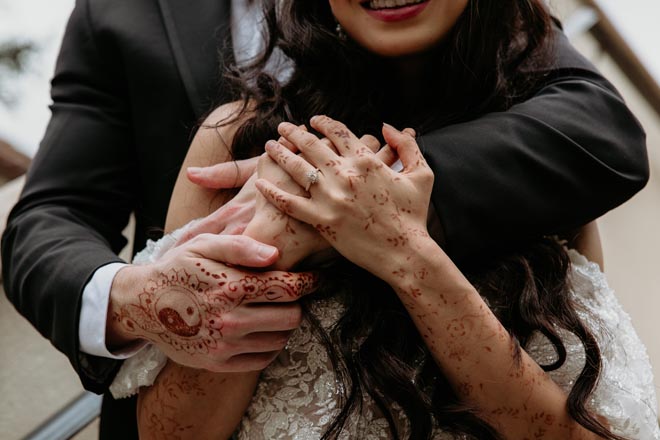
x=476 y=353
x=202 y=403
x=193 y=404
x=48 y=257
x=552 y=163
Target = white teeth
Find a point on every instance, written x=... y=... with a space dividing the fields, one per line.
x=384 y=4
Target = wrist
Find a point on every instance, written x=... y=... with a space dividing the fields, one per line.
x=117 y=334
x=425 y=269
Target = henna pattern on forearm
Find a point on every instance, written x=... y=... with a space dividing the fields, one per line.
x=186 y=313
x=159 y=414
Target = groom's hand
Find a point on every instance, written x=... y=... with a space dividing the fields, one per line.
x=206 y=314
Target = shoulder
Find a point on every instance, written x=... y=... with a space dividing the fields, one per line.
x=213 y=140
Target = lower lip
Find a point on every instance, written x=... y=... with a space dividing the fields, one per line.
x=398 y=14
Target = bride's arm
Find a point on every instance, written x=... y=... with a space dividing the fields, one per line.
x=197 y=403
x=376 y=218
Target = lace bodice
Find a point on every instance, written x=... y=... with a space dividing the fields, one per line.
x=296 y=396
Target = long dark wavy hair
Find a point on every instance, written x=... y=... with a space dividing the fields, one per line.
x=495 y=56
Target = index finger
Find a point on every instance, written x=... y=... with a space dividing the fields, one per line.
x=278 y=286
x=314 y=150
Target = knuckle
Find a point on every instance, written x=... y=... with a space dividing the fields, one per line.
x=371 y=142
x=222 y=352
x=230 y=328
x=364 y=161
x=297 y=166
x=336 y=125
x=308 y=141
x=293 y=320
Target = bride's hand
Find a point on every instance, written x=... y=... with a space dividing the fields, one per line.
x=368 y=212
x=294 y=239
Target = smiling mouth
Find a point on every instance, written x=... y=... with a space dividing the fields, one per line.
x=390 y=4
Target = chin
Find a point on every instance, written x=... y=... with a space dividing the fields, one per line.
x=397 y=48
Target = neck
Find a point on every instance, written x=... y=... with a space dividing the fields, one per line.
x=413 y=76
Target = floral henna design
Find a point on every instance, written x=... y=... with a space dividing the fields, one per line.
x=355 y=180
x=160 y=409
x=327 y=231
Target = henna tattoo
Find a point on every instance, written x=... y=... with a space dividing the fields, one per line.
x=411 y=291
x=456 y=328
x=342 y=134
x=281 y=157
x=382 y=197
x=280 y=201
x=363 y=152
x=187 y=314
x=465 y=389
x=355 y=179
x=327 y=231
x=370 y=220
x=421 y=274
x=400 y=240
x=334 y=163
x=158 y=410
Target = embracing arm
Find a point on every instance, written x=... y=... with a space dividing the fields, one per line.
x=77 y=198
x=563 y=157
x=197 y=403
x=556 y=161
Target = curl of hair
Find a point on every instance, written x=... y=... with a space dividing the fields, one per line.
x=494 y=57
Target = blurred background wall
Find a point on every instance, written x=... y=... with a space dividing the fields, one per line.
x=35 y=380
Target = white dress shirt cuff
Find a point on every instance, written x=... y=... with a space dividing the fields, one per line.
x=94 y=315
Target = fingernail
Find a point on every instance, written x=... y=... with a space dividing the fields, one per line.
x=271 y=144
x=385 y=124
x=194 y=171
x=266 y=252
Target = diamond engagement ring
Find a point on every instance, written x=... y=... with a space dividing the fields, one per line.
x=312 y=178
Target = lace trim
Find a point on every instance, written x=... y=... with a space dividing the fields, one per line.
x=138 y=371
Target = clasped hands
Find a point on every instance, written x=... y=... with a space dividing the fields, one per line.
x=204 y=313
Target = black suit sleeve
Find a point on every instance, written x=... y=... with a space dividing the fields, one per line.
x=77 y=198
x=564 y=157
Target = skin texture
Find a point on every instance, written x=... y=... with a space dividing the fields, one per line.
x=408 y=37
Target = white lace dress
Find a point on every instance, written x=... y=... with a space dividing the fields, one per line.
x=296 y=396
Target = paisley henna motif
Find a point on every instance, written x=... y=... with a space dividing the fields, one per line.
x=187 y=313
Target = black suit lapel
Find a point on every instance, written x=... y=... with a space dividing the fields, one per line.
x=197 y=29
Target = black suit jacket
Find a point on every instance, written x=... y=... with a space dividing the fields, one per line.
x=134 y=78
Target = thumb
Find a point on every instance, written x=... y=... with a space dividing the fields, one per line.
x=224 y=175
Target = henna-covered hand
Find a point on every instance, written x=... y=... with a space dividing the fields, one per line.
x=364 y=209
x=233 y=217
x=294 y=239
x=206 y=314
